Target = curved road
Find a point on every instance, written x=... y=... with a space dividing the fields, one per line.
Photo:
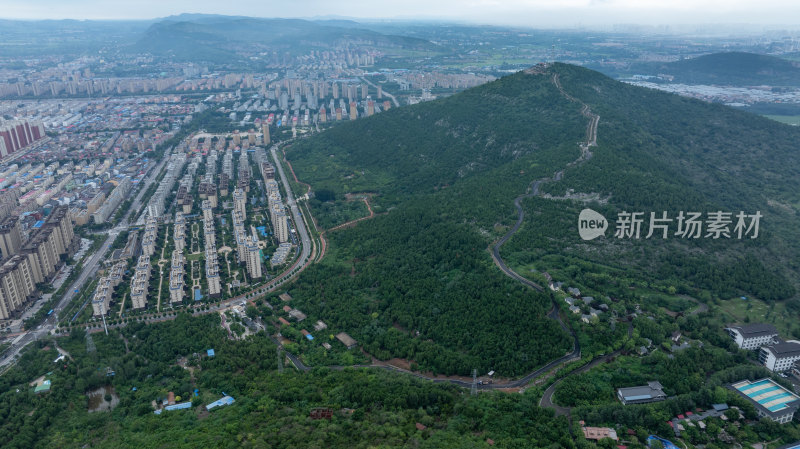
x=303 y=261
x=591 y=140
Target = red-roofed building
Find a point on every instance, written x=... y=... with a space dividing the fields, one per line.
x=420 y=426
x=598 y=433
x=283 y=321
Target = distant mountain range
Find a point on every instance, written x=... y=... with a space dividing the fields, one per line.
x=195 y=37
x=214 y=38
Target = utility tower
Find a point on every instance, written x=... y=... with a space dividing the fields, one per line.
x=90 y=347
x=474 y=390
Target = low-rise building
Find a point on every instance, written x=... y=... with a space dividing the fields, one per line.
x=598 y=433
x=346 y=340
x=652 y=392
x=753 y=336
x=780 y=356
x=769 y=399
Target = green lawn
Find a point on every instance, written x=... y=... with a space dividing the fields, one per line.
x=788 y=119
x=758 y=311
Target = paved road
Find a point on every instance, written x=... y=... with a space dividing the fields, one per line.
x=299 y=221
x=575 y=354
x=547 y=398
x=394 y=100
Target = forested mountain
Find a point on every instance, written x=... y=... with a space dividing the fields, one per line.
x=447 y=172
x=732 y=68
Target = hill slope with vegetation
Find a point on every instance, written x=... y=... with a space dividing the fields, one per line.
x=734 y=68
x=445 y=174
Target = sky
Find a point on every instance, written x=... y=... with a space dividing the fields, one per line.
x=533 y=13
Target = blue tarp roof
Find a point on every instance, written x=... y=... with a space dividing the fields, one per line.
x=226 y=400
x=181 y=406
x=210 y=353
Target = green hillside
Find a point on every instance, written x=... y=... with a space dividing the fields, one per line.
x=370 y=407
x=446 y=174
x=733 y=68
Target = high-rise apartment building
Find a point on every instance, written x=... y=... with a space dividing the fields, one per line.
x=239 y=202
x=10 y=236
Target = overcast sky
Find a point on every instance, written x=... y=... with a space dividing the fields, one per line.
x=534 y=13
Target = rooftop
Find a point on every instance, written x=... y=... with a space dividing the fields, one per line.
x=755 y=330
x=767 y=395
x=652 y=390
x=598 y=433
x=784 y=349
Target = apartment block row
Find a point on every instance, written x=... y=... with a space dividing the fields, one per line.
x=140 y=282
x=174 y=167
x=179 y=231
x=176 y=275
x=103 y=294
x=149 y=238
x=247 y=249
x=212 y=264
x=111 y=203
x=277 y=211
x=33 y=261
x=18 y=134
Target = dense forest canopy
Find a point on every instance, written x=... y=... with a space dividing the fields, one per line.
x=443 y=175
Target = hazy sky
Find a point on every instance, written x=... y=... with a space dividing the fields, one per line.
x=535 y=13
